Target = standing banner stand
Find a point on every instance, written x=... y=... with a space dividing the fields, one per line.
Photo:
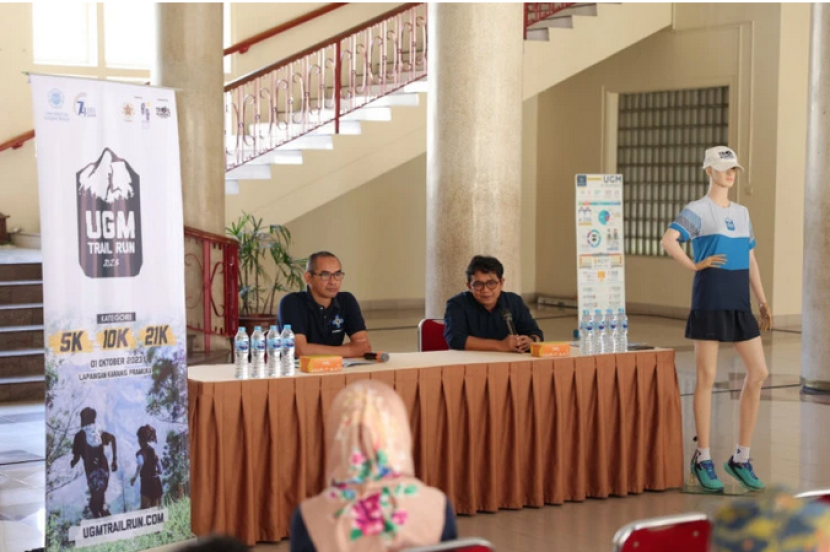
x=600 y=254
x=117 y=468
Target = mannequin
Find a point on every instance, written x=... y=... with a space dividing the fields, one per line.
x=725 y=270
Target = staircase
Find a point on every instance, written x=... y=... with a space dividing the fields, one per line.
x=21 y=326
x=307 y=161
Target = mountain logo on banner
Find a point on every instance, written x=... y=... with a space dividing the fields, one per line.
x=109 y=218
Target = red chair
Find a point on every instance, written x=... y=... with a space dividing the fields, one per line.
x=460 y=545
x=431 y=335
x=680 y=533
x=822 y=495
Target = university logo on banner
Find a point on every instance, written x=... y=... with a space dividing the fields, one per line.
x=117 y=471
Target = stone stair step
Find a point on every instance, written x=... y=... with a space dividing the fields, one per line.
x=21 y=337
x=22 y=388
x=21 y=292
x=22 y=362
x=26 y=314
x=12 y=272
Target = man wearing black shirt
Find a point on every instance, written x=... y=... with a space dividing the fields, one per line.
x=322 y=316
x=475 y=319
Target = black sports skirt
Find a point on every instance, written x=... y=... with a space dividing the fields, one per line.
x=726 y=326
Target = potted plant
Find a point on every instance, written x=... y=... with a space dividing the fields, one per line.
x=262 y=248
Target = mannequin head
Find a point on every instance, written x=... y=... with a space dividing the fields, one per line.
x=721 y=179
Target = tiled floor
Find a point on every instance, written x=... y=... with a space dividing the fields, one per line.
x=790 y=445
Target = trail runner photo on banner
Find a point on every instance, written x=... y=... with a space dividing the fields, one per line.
x=117 y=469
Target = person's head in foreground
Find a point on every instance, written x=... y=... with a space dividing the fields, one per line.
x=774 y=521
x=372 y=500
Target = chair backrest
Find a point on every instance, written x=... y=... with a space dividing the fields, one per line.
x=431 y=335
x=679 y=533
x=459 y=545
x=822 y=495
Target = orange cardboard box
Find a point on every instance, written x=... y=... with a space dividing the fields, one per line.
x=318 y=364
x=547 y=349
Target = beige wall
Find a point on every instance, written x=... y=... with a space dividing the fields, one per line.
x=792 y=135
x=379 y=230
x=712 y=44
x=18 y=176
x=565 y=132
x=249 y=19
x=18 y=173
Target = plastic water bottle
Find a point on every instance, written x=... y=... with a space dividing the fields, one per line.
x=586 y=333
x=273 y=345
x=287 y=351
x=258 y=353
x=622 y=332
x=611 y=330
x=241 y=346
x=599 y=332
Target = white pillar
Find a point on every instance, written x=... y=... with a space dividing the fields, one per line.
x=474 y=144
x=815 y=355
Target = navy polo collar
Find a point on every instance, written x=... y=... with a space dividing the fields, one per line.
x=335 y=304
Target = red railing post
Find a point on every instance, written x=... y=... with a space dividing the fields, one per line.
x=337 y=85
x=230 y=257
x=208 y=269
x=207 y=293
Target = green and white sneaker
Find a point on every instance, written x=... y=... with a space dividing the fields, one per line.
x=745 y=475
x=703 y=474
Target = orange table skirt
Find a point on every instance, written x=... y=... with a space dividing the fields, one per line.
x=494 y=435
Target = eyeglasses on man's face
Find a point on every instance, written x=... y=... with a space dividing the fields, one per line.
x=326 y=275
x=478 y=285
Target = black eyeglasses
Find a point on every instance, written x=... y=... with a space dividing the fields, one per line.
x=326 y=275
x=491 y=284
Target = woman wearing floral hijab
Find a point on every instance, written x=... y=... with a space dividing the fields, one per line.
x=373 y=502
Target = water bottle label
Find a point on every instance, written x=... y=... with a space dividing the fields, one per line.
x=260 y=345
x=273 y=343
x=625 y=325
x=288 y=343
x=242 y=346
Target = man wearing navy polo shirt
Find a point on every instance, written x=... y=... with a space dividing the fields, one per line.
x=475 y=320
x=322 y=316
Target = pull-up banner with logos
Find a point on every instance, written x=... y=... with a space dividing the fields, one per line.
x=117 y=471
x=600 y=257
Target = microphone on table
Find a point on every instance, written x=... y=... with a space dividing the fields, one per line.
x=508 y=319
x=379 y=356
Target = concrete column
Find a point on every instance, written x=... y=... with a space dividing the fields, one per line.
x=815 y=349
x=189 y=58
x=474 y=144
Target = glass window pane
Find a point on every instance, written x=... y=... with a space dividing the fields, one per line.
x=662 y=136
x=130 y=34
x=65 y=33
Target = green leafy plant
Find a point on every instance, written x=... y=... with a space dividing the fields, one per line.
x=260 y=245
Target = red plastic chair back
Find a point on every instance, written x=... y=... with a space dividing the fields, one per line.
x=431 y=335
x=459 y=545
x=822 y=495
x=680 y=533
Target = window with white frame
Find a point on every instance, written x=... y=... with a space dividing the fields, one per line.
x=67 y=33
x=660 y=143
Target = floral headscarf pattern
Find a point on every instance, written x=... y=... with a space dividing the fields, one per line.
x=775 y=521
x=373 y=500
